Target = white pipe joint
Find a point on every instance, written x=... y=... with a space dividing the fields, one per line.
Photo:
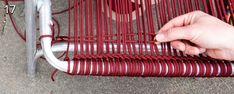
x=45 y=29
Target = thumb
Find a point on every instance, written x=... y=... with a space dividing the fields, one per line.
x=176 y=33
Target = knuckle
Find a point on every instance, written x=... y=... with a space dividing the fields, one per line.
x=198 y=12
x=168 y=33
x=191 y=33
x=187 y=50
x=174 y=45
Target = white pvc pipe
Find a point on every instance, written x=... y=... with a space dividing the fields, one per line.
x=45 y=22
x=62 y=46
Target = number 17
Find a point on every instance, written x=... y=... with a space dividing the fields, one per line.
x=8 y=7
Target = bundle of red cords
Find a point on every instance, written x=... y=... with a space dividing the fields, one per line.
x=115 y=38
x=95 y=23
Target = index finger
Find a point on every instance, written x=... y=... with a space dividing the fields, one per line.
x=182 y=20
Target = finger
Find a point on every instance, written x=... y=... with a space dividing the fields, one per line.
x=182 y=20
x=176 y=22
x=193 y=50
x=219 y=54
x=179 y=45
x=178 y=33
x=186 y=47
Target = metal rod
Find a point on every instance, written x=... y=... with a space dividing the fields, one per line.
x=30 y=17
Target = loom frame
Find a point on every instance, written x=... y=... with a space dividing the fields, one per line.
x=45 y=20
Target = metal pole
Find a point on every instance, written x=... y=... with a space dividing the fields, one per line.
x=30 y=17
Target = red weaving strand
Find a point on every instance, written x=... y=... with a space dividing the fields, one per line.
x=69 y=35
x=74 y=71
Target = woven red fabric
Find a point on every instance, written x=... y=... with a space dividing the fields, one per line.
x=115 y=38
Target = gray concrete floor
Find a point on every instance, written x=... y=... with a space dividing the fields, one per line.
x=14 y=79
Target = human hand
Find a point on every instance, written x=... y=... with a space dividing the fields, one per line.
x=197 y=32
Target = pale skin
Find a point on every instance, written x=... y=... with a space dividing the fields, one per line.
x=197 y=33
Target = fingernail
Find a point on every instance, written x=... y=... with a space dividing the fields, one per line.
x=191 y=52
x=195 y=52
x=178 y=47
x=157 y=43
x=160 y=37
x=202 y=50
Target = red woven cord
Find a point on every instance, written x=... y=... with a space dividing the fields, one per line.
x=91 y=25
x=75 y=66
x=139 y=27
x=44 y=36
x=111 y=26
x=69 y=35
x=219 y=12
x=106 y=24
x=230 y=3
x=118 y=26
x=53 y=74
x=158 y=24
x=128 y=59
x=224 y=10
x=81 y=15
x=143 y=32
x=115 y=38
x=150 y=24
x=58 y=29
x=50 y=36
x=124 y=25
x=163 y=21
x=130 y=24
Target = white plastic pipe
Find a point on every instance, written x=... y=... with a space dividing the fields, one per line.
x=45 y=22
x=62 y=46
